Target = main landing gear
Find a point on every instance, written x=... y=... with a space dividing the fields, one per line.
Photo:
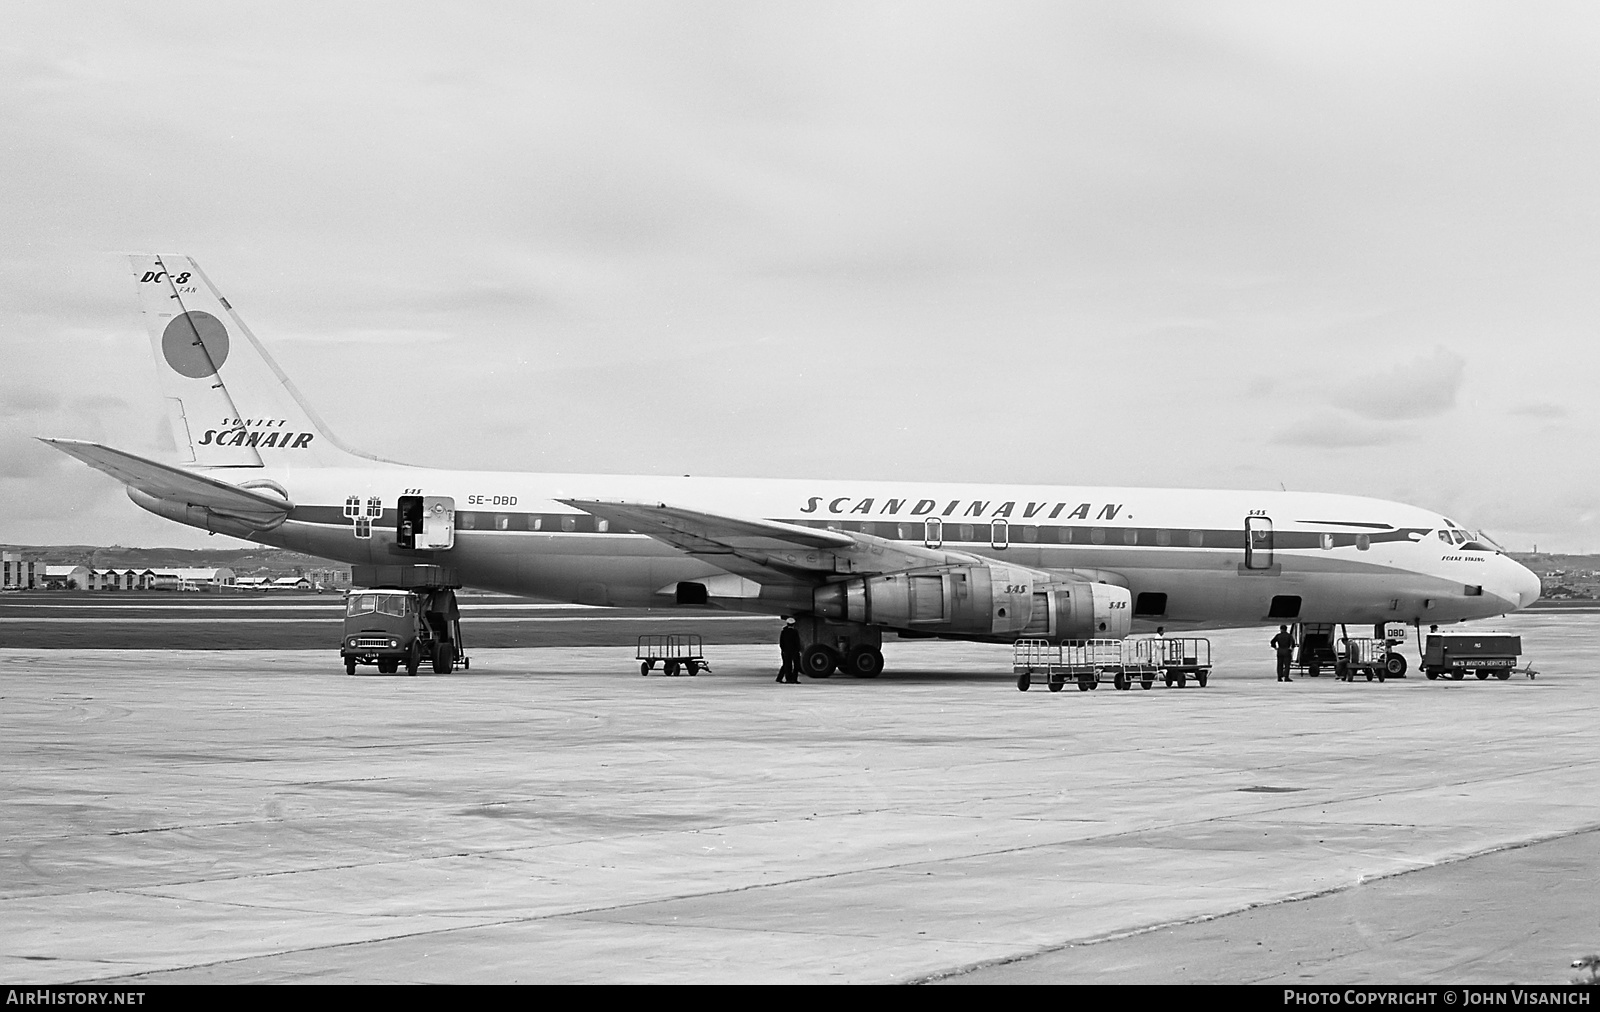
x=821 y=661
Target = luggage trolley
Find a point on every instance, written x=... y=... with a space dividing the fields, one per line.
x=1366 y=655
x=672 y=651
x=1120 y=662
x=1177 y=659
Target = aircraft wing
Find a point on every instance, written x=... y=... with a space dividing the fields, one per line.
x=763 y=550
x=174 y=484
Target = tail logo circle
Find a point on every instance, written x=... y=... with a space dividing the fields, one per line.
x=195 y=344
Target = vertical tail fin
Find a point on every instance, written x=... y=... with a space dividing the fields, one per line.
x=229 y=403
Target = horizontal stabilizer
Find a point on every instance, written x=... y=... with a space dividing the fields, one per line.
x=175 y=485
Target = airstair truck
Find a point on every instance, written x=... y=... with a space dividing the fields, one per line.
x=405 y=615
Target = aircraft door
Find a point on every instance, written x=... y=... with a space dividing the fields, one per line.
x=426 y=522
x=1258 y=543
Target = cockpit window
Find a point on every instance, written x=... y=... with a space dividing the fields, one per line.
x=1444 y=535
x=1461 y=538
x=1491 y=542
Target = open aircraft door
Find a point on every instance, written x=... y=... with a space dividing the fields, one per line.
x=426 y=522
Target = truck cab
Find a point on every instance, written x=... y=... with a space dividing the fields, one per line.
x=391 y=626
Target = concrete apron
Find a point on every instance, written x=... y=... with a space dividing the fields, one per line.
x=551 y=816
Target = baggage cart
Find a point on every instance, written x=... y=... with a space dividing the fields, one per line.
x=673 y=651
x=1122 y=663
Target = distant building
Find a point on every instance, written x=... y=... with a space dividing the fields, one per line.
x=20 y=574
x=68 y=578
x=291 y=583
x=192 y=579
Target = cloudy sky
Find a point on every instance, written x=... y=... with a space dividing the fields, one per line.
x=1345 y=247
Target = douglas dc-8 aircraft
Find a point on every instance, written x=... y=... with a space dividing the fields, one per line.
x=849 y=560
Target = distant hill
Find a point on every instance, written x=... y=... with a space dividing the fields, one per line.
x=263 y=561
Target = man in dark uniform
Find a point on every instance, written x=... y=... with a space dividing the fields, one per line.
x=789 y=644
x=1283 y=643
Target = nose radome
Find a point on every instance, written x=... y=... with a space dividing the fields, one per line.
x=1521 y=585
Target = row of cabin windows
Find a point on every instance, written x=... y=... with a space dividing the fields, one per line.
x=931 y=530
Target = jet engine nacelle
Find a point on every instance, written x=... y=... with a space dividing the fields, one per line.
x=1081 y=611
x=975 y=600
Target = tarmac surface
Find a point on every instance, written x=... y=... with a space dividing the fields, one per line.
x=550 y=816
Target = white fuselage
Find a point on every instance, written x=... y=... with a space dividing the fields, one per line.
x=1346 y=558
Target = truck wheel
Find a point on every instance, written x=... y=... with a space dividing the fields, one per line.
x=349 y=665
x=1456 y=676
x=1503 y=674
x=1431 y=673
x=414 y=658
x=444 y=657
x=388 y=665
x=1483 y=674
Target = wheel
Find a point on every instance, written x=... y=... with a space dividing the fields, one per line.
x=1483 y=674
x=349 y=665
x=1083 y=685
x=1456 y=676
x=644 y=668
x=1430 y=673
x=414 y=658
x=1313 y=671
x=1147 y=681
x=1369 y=674
x=388 y=665
x=1094 y=683
x=1023 y=681
x=818 y=661
x=1056 y=684
x=1200 y=677
x=1183 y=679
x=693 y=667
x=1168 y=677
x=1503 y=674
x=1394 y=666
x=670 y=669
x=444 y=657
x=1122 y=681
x=864 y=662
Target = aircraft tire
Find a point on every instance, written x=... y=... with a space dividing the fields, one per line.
x=1395 y=665
x=818 y=661
x=349 y=665
x=864 y=662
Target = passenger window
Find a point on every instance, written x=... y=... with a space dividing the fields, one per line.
x=1097 y=536
x=1197 y=539
x=1327 y=541
x=1363 y=541
x=1163 y=538
x=467 y=521
x=964 y=532
x=602 y=525
x=569 y=523
x=1030 y=534
x=1130 y=536
x=536 y=524
x=502 y=522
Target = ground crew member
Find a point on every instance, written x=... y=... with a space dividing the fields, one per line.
x=1283 y=643
x=789 y=645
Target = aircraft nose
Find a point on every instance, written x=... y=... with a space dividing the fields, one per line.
x=1518 y=584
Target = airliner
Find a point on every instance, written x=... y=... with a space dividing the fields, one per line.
x=849 y=560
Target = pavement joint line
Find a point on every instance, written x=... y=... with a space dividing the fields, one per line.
x=1298 y=898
